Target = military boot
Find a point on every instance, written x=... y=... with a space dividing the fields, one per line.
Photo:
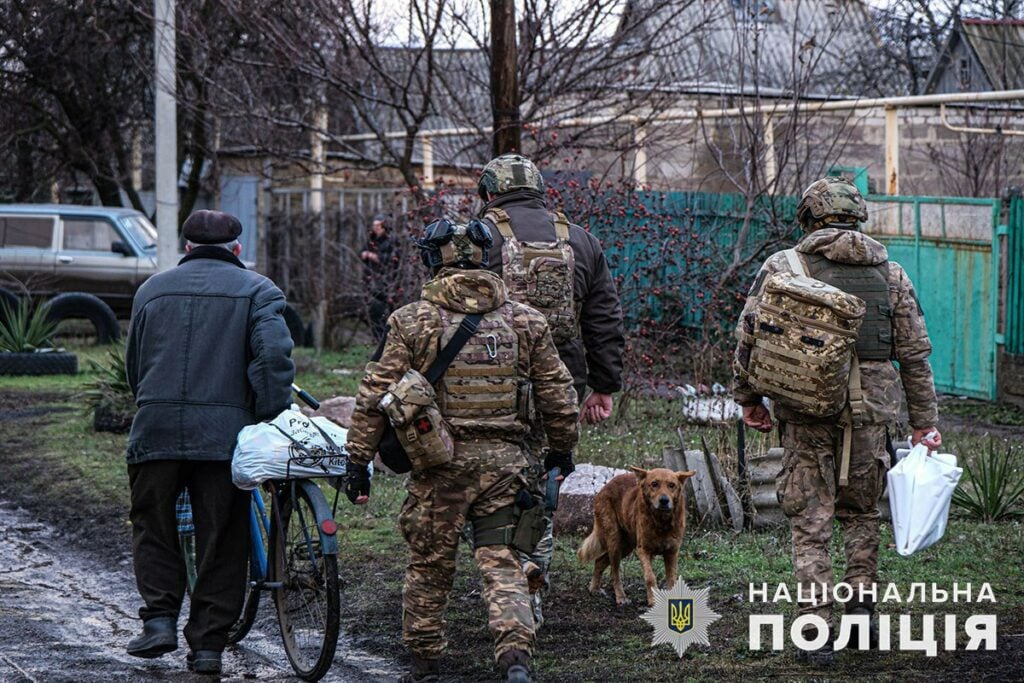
x=159 y=636
x=423 y=671
x=854 y=641
x=824 y=656
x=207 y=662
x=516 y=666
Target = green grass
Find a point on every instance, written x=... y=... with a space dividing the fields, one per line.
x=983 y=412
x=585 y=637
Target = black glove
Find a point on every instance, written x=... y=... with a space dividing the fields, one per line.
x=357 y=481
x=560 y=459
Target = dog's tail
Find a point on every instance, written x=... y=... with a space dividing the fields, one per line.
x=591 y=548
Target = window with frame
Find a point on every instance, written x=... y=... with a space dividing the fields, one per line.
x=754 y=10
x=965 y=72
x=26 y=231
x=89 y=234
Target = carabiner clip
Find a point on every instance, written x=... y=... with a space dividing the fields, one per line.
x=491 y=344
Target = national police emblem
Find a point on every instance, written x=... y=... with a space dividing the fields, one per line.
x=681 y=616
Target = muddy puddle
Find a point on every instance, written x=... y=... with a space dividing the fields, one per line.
x=66 y=616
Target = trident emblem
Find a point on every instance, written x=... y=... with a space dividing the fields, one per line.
x=680 y=618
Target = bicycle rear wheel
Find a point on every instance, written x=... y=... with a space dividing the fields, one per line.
x=308 y=602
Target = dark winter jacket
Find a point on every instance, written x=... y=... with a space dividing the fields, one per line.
x=208 y=353
x=595 y=360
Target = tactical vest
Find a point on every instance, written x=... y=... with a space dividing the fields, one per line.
x=541 y=274
x=870 y=284
x=483 y=392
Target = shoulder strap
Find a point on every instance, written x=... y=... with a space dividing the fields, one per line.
x=796 y=263
x=500 y=219
x=466 y=329
x=561 y=226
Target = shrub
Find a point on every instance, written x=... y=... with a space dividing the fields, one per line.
x=23 y=330
x=109 y=395
x=993 y=488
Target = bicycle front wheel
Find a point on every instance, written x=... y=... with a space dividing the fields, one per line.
x=308 y=602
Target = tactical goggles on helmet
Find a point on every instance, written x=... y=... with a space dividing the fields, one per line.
x=445 y=243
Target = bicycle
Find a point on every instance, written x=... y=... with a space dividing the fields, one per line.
x=301 y=567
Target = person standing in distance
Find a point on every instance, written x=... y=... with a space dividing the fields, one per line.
x=208 y=353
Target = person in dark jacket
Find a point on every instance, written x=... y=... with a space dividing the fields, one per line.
x=378 y=273
x=560 y=269
x=208 y=353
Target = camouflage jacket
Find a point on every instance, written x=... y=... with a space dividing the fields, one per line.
x=414 y=340
x=595 y=359
x=880 y=380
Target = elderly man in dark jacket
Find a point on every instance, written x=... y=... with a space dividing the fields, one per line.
x=208 y=353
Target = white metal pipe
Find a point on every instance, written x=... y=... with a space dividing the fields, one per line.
x=427 y=144
x=166 y=135
x=970 y=129
x=640 y=155
x=770 y=169
x=698 y=113
x=892 y=151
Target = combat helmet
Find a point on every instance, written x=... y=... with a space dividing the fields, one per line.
x=509 y=172
x=833 y=202
x=447 y=244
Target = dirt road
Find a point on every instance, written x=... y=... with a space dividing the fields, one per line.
x=66 y=617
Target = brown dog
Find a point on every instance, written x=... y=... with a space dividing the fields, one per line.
x=645 y=510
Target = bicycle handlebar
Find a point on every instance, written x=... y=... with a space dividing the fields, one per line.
x=306 y=397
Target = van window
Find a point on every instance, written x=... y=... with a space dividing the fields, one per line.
x=26 y=231
x=89 y=234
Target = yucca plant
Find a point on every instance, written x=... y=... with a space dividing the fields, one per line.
x=993 y=487
x=109 y=395
x=25 y=330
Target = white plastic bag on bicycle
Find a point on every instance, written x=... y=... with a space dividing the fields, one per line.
x=291 y=446
x=920 y=490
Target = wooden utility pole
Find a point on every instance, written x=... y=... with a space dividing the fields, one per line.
x=504 y=78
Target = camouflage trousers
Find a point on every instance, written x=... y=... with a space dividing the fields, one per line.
x=810 y=496
x=440 y=502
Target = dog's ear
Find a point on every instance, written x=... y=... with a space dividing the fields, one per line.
x=640 y=473
x=683 y=476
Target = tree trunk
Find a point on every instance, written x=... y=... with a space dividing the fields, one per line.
x=504 y=78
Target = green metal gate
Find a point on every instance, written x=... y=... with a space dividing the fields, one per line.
x=949 y=248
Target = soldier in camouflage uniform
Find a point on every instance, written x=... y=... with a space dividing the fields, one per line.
x=481 y=398
x=586 y=324
x=834 y=251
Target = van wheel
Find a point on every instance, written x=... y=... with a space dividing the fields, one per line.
x=294 y=322
x=82 y=305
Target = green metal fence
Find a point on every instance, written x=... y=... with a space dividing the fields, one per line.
x=1013 y=237
x=949 y=247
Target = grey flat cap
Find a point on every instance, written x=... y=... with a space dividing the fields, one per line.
x=211 y=227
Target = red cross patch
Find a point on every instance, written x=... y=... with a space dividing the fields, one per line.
x=423 y=426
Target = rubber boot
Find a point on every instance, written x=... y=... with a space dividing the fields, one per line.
x=159 y=636
x=854 y=641
x=823 y=657
x=516 y=666
x=423 y=671
x=206 y=662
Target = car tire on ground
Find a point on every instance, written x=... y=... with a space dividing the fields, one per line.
x=41 y=363
x=294 y=322
x=82 y=305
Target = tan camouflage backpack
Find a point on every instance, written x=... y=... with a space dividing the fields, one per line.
x=804 y=335
x=483 y=393
x=541 y=274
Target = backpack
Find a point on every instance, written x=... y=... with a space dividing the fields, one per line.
x=804 y=338
x=541 y=274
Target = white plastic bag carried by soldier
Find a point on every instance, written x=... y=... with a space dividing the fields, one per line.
x=834 y=313
x=507 y=367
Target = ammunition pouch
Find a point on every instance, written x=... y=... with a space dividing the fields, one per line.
x=411 y=408
x=513 y=525
x=524 y=402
